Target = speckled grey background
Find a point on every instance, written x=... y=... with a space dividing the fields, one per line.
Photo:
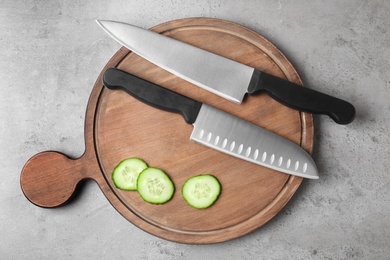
x=51 y=53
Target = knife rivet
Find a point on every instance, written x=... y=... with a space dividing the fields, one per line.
x=209 y=137
x=280 y=161
x=232 y=145
x=272 y=159
x=264 y=157
x=224 y=143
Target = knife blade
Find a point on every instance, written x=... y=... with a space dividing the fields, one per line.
x=222 y=76
x=219 y=130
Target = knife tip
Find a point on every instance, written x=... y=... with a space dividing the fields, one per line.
x=103 y=24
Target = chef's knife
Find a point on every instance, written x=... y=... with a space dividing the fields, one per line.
x=219 y=130
x=222 y=76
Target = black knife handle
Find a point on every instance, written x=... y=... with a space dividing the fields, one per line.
x=302 y=98
x=152 y=94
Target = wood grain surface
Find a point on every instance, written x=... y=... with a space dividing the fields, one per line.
x=118 y=126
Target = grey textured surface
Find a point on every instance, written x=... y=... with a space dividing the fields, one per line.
x=51 y=53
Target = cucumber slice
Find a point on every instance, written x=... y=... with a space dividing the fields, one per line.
x=155 y=186
x=126 y=173
x=201 y=191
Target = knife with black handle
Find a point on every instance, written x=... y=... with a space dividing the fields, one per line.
x=222 y=76
x=219 y=130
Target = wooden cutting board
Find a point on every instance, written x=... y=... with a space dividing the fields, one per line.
x=118 y=126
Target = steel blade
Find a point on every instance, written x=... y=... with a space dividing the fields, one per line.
x=229 y=134
x=214 y=73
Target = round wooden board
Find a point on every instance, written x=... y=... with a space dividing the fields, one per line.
x=117 y=127
x=124 y=127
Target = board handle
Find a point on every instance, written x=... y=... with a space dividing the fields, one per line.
x=50 y=179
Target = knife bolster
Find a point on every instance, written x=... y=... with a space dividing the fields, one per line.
x=254 y=85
